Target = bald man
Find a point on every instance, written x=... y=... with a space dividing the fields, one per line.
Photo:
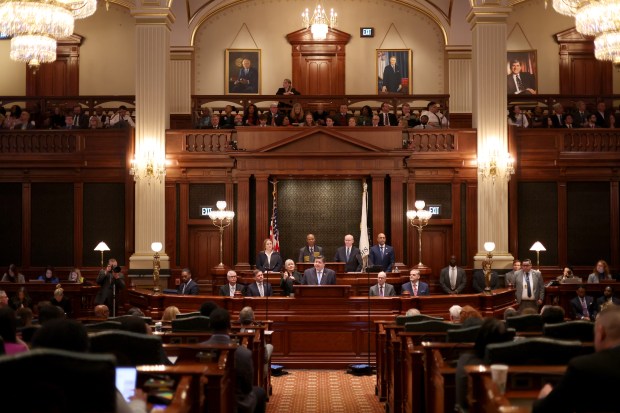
x=595 y=375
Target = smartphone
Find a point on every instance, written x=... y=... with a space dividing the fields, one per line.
x=126 y=381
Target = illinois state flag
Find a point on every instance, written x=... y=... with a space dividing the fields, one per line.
x=274 y=234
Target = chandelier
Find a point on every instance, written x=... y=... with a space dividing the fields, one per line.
x=35 y=25
x=495 y=166
x=598 y=18
x=148 y=168
x=319 y=23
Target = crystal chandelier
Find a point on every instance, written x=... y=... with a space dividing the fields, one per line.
x=495 y=166
x=319 y=23
x=598 y=18
x=148 y=168
x=36 y=25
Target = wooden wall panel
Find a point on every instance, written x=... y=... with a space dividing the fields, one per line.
x=204 y=253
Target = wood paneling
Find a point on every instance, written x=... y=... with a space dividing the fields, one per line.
x=204 y=252
x=61 y=77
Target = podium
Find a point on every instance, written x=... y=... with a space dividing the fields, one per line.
x=323 y=291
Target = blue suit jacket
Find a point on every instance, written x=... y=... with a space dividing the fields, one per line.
x=386 y=260
x=422 y=288
x=252 y=290
x=190 y=289
x=328 y=278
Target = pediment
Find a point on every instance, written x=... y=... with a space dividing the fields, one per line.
x=571 y=35
x=320 y=140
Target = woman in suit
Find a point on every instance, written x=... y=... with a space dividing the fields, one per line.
x=268 y=259
x=290 y=277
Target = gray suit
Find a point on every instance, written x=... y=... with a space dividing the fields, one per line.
x=509 y=278
x=538 y=287
x=388 y=290
x=305 y=256
x=328 y=277
x=444 y=280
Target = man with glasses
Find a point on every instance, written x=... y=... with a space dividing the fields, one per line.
x=530 y=288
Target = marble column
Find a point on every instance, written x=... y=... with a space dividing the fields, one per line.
x=152 y=38
x=488 y=26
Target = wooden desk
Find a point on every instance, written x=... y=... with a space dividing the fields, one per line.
x=82 y=296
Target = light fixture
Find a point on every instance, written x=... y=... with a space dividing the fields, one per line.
x=102 y=246
x=538 y=247
x=319 y=23
x=148 y=168
x=156 y=247
x=36 y=25
x=221 y=219
x=489 y=247
x=419 y=218
x=598 y=18
x=495 y=166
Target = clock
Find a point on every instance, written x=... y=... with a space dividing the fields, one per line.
x=367 y=32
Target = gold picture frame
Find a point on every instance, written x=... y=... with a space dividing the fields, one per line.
x=389 y=80
x=239 y=81
x=525 y=63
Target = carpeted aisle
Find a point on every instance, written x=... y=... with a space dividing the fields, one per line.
x=332 y=391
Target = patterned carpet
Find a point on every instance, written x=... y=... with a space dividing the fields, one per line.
x=323 y=391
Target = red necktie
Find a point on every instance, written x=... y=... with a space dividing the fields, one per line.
x=415 y=289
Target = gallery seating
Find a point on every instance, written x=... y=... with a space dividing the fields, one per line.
x=538 y=350
x=570 y=330
x=130 y=349
x=103 y=326
x=195 y=323
x=528 y=322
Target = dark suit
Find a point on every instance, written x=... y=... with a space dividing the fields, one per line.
x=277 y=118
x=275 y=264
x=392 y=78
x=107 y=282
x=355 y=259
x=595 y=375
x=422 y=288
x=252 y=290
x=227 y=121
x=479 y=283
x=385 y=260
x=340 y=120
x=82 y=121
x=189 y=288
x=581 y=119
x=557 y=122
x=283 y=105
x=328 y=277
x=444 y=280
x=602 y=121
x=304 y=254
x=251 y=76
x=577 y=308
x=225 y=289
x=391 y=119
x=388 y=290
x=601 y=300
x=287 y=283
x=528 y=80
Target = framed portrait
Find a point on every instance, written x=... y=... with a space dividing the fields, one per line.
x=522 y=72
x=393 y=71
x=243 y=71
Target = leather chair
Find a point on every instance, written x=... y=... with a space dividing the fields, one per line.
x=430 y=326
x=401 y=320
x=196 y=323
x=528 y=322
x=130 y=349
x=187 y=315
x=538 y=350
x=103 y=326
x=120 y=318
x=33 y=382
x=469 y=334
x=570 y=330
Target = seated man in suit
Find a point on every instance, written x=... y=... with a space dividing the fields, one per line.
x=509 y=278
x=187 y=286
x=259 y=288
x=607 y=299
x=479 y=281
x=382 y=254
x=310 y=251
x=604 y=364
x=452 y=278
x=249 y=398
x=350 y=255
x=583 y=306
x=382 y=289
x=319 y=275
x=229 y=289
x=415 y=286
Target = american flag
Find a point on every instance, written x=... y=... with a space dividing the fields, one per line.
x=274 y=234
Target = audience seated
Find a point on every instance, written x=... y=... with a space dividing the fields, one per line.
x=8 y=332
x=170 y=313
x=102 y=311
x=455 y=313
x=552 y=314
x=470 y=317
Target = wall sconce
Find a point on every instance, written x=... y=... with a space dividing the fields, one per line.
x=538 y=247
x=148 y=168
x=495 y=166
x=221 y=219
x=102 y=247
x=419 y=219
x=489 y=247
x=156 y=247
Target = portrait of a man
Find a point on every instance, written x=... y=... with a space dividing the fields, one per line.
x=393 y=69
x=521 y=77
x=243 y=71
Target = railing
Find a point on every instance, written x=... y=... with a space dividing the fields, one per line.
x=588 y=140
x=88 y=103
x=42 y=141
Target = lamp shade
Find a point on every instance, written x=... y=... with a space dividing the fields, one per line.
x=489 y=246
x=538 y=247
x=102 y=247
x=156 y=246
x=221 y=205
x=420 y=204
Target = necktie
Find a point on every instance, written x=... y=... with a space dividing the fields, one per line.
x=184 y=285
x=529 y=286
x=319 y=275
x=519 y=83
x=311 y=250
x=76 y=120
x=386 y=120
x=260 y=289
x=348 y=252
x=382 y=251
x=232 y=291
x=415 y=289
x=585 y=308
x=423 y=126
x=453 y=277
x=381 y=290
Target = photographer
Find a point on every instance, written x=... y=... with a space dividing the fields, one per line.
x=111 y=281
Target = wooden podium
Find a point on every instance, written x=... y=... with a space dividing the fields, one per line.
x=323 y=291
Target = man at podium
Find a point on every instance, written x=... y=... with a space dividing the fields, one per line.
x=319 y=275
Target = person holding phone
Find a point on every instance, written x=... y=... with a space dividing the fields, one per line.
x=111 y=281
